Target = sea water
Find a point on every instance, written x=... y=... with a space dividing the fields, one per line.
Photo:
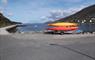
x=32 y=27
x=42 y=26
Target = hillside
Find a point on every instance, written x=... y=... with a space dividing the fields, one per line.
x=86 y=14
x=5 y=21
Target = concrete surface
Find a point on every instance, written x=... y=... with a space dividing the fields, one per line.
x=47 y=47
x=3 y=31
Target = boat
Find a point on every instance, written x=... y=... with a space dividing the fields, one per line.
x=62 y=27
x=63 y=24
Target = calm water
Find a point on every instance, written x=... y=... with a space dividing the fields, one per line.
x=32 y=27
x=40 y=27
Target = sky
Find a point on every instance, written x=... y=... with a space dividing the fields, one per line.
x=38 y=11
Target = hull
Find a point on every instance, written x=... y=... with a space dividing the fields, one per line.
x=62 y=28
x=62 y=24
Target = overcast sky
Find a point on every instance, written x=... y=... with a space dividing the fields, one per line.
x=35 y=11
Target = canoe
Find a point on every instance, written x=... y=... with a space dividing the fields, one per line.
x=63 y=28
x=62 y=24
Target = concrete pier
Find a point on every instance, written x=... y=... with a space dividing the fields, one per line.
x=4 y=30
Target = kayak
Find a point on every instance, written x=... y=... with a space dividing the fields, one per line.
x=62 y=24
x=62 y=28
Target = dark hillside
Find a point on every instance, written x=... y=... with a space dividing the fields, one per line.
x=5 y=21
x=86 y=14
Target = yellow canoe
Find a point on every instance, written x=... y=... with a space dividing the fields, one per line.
x=63 y=24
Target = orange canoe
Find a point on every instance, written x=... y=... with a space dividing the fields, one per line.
x=62 y=24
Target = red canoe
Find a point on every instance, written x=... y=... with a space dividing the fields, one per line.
x=63 y=28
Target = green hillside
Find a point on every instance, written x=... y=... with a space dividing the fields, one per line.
x=5 y=21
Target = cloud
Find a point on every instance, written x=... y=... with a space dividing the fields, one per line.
x=45 y=10
x=1 y=11
x=72 y=1
x=5 y=2
x=53 y=15
x=53 y=1
x=9 y=13
x=73 y=10
x=61 y=13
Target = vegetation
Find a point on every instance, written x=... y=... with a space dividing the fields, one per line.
x=5 y=21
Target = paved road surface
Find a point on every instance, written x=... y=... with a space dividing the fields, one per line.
x=47 y=47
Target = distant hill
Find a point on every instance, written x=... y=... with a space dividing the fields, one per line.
x=85 y=14
x=5 y=21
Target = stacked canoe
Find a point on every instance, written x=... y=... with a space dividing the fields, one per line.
x=63 y=26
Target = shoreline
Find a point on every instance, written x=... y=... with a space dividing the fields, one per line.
x=6 y=30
